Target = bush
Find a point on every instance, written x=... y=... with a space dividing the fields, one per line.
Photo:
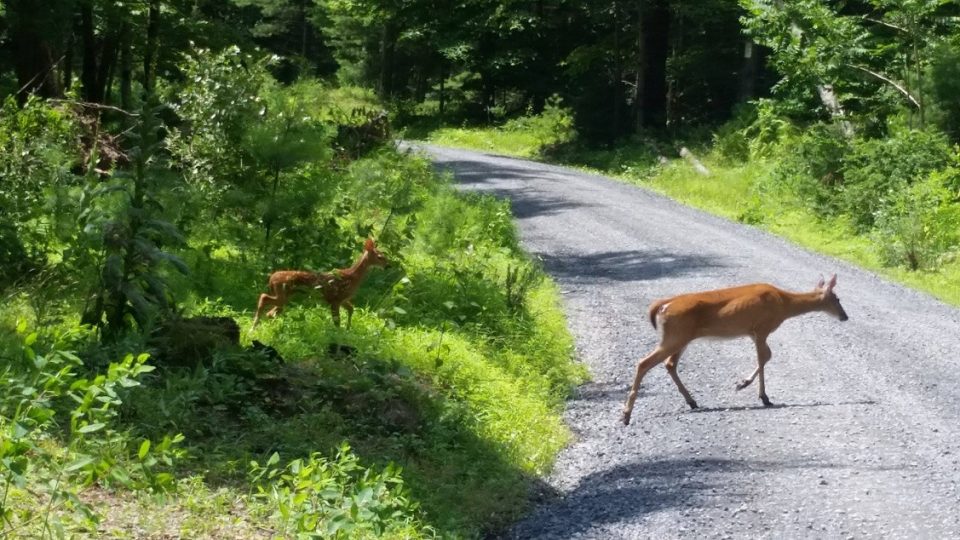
x=919 y=225
x=879 y=169
x=945 y=86
x=59 y=433
x=812 y=167
x=552 y=127
x=337 y=498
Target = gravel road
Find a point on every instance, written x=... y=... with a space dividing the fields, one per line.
x=864 y=438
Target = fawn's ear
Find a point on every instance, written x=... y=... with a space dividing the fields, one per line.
x=369 y=245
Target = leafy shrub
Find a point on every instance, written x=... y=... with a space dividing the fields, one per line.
x=38 y=146
x=552 y=127
x=812 y=167
x=919 y=224
x=945 y=86
x=40 y=480
x=337 y=498
x=878 y=169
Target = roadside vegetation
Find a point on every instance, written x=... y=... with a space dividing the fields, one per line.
x=135 y=402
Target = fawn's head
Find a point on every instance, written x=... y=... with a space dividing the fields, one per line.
x=831 y=304
x=374 y=257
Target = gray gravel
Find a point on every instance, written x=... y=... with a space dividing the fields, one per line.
x=864 y=440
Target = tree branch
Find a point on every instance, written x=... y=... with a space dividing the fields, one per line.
x=891 y=82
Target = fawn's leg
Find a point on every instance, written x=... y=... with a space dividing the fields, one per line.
x=643 y=366
x=349 y=305
x=280 y=300
x=335 y=314
x=671 y=365
x=262 y=303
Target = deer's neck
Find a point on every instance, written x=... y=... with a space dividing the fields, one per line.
x=800 y=303
x=359 y=268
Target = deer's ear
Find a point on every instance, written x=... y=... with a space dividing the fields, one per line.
x=832 y=283
x=369 y=245
x=820 y=283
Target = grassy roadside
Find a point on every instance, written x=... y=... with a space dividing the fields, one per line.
x=428 y=418
x=734 y=191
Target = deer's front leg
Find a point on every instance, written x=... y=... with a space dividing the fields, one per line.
x=763 y=356
x=335 y=314
x=349 y=305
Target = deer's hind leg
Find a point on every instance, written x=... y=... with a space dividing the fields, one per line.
x=643 y=366
x=265 y=299
x=671 y=365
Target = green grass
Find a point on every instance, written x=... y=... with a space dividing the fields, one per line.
x=736 y=192
x=494 y=140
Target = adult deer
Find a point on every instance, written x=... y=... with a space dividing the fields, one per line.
x=750 y=310
x=337 y=286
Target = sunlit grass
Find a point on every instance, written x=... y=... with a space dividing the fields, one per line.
x=736 y=192
x=510 y=143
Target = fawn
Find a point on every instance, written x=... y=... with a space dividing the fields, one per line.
x=338 y=286
x=750 y=310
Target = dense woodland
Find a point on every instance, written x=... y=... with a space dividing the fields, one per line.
x=159 y=158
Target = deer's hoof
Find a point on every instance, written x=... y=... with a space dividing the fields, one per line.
x=766 y=401
x=693 y=404
x=743 y=384
x=625 y=418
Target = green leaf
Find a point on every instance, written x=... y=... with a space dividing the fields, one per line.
x=144 y=448
x=90 y=428
x=79 y=464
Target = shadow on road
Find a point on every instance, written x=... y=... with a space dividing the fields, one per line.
x=635 y=265
x=476 y=173
x=480 y=177
x=631 y=490
x=743 y=408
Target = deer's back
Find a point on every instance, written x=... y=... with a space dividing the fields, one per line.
x=723 y=313
x=292 y=279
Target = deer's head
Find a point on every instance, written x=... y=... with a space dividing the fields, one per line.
x=831 y=304
x=374 y=257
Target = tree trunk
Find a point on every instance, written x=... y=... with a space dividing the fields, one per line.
x=617 y=75
x=748 y=72
x=66 y=80
x=443 y=94
x=126 y=67
x=656 y=49
x=88 y=71
x=153 y=40
x=673 y=119
x=387 y=47
x=639 y=79
x=108 y=62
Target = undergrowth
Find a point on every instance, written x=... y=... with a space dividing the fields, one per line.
x=131 y=403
